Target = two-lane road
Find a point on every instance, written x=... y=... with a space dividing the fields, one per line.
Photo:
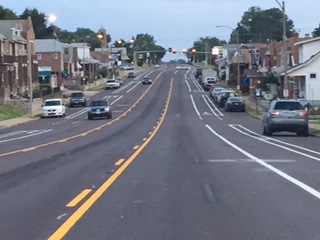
x=172 y=165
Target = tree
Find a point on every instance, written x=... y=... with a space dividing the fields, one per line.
x=259 y=25
x=39 y=21
x=316 y=32
x=7 y=14
x=203 y=47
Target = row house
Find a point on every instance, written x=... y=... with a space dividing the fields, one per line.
x=88 y=66
x=18 y=66
x=50 y=55
x=258 y=61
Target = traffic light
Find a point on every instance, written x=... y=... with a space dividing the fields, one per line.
x=174 y=51
x=184 y=51
x=194 y=51
x=170 y=49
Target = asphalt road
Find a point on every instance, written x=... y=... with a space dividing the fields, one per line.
x=168 y=165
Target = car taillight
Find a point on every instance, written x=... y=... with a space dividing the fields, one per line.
x=304 y=114
x=274 y=113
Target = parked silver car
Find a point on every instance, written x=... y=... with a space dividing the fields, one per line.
x=286 y=115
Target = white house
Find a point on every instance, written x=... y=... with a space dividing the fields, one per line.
x=305 y=76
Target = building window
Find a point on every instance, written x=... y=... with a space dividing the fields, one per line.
x=55 y=56
x=39 y=56
x=313 y=75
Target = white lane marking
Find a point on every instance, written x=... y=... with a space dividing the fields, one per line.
x=117 y=99
x=123 y=87
x=250 y=160
x=76 y=114
x=200 y=87
x=276 y=140
x=61 y=216
x=75 y=122
x=133 y=87
x=277 y=145
x=295 y=181
x=123 y=105
x=12 y=134
x=176 y=72
x=25 y=136
x=118 y=111
x=208 y=98
x=206 y=101
x=195 y=107
x=188 y=85
x=197 y=86
x=107 y=97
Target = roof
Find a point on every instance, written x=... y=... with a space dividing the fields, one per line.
x=301 y=65
x=307 y=41
x=48 y=45
x=6 y=27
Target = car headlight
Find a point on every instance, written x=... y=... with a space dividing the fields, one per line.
x=89 y=109
x=106 y=109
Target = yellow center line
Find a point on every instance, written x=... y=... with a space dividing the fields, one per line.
x=81 y=134
x=119 y=162
x=76 y=216
x=136 y=147
x=78 y=198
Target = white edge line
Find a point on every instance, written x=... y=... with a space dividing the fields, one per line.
x=275 y=170
x=206 y=101
x=276 y=140
x=133 y=87
x=30 y=135
x=221 y=114
x=274 y=144
x=188 y=85
x=195 y=107
x=116 y=100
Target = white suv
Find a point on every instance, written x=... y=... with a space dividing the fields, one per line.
x=53 y=107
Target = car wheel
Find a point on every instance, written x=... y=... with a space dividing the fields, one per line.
x=268 y=131
x=90 y=117
x=303 y=132
x=226 y=109
x=109 y=116
x=264 y=132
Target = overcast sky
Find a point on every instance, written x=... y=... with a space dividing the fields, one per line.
x=173 y=23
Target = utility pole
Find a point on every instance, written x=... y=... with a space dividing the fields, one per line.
x=30 y=71
x=238 y=61
x=284 y=51
x=83 y=65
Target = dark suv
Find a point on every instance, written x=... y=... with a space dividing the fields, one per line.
x=78 y=98
x=286 y=115
x=198 y=73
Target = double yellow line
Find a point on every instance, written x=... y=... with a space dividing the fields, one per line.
x=76 y=216
x=24 y=150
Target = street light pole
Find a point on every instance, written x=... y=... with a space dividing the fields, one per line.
x=284 y=51
x=83 y=65
x=238 y=59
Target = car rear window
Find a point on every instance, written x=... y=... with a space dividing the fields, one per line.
x=233 y=99
x=288 y=106
x=111 y=81
x=211 y=81
x=79 y=94
x=98 y=103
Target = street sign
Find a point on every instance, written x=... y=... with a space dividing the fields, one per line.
x=140 y=56
x=285 y=93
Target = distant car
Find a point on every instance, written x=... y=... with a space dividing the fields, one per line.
x=209 y=84
x=204 y=81
x=131 y=75
x=112 y=83
x=198 y=73
x=127 y=67
x=223 y=96
x=99 y=109
x=182 y=68
x=286 y=115
x=77 y=98
x=53 y=107
x=157 y=66
x=235 y=104
x=215 y=93
x=146 y=80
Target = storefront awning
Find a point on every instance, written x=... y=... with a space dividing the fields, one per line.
x=44 y=74
x=65 y=74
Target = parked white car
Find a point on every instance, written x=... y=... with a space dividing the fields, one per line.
x=112 y=83
x=53 y=107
